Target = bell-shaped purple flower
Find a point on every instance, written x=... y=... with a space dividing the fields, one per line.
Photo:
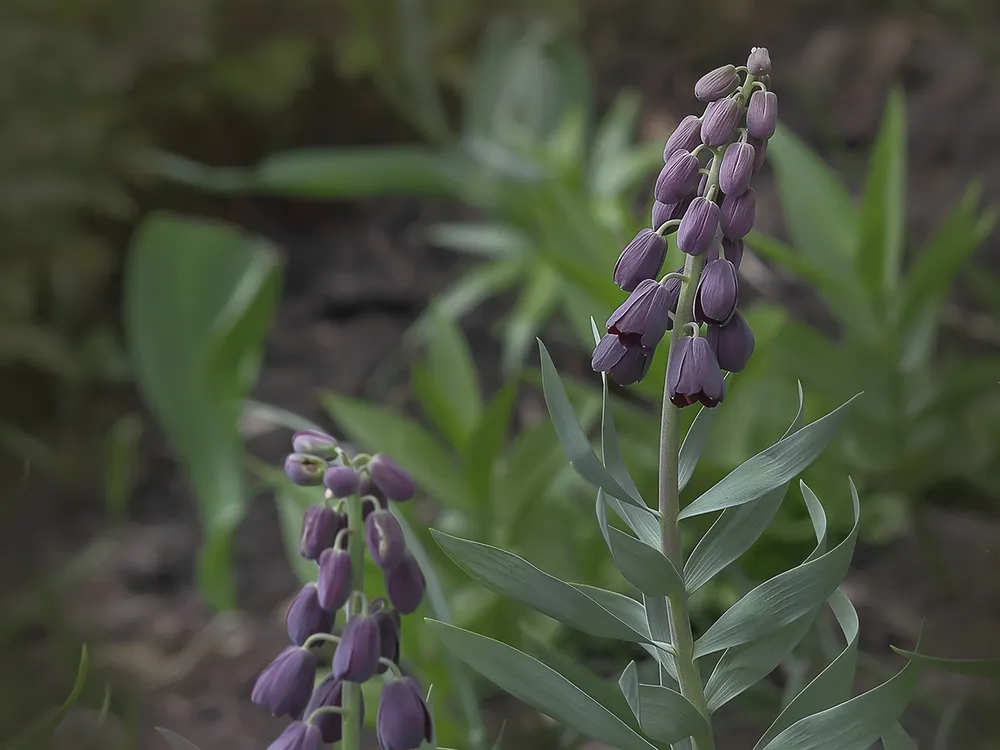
x=390 y=628
x=693 y=374
x=284 y=686
x=762 y=114
x=738 y=214
x=685 y=137
x=732 y=250
x=319 y=529
x=304 y=469
x=641 y=259
x=698 y=227
x=732 y=343
x=334 y=582
x=736 y=169
x=384 y=539
x=717 y=294
x=716 y=84
x=627 y=364
x=306 y=616
x=299 y=735
x=405 y=584
x=391 y=478
x=677 y=178
x=341 y=481
x=644 y=314
x=759 y=62
x=719 y=122
x=357 y=654
x=329 y=692
x=403 y=721
x=315 y=443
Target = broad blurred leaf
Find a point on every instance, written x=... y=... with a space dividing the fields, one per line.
x=530 y=681
x=198 y=302
x=667 y=715
x=486 y=444
x=538 y=301
x=175 y=741
x=453 y=376
x=487 y=240
x=478 y=284
x=41 y=731
x=897 y=739
x=969 y=667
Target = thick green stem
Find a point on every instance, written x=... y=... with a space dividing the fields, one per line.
x=351 y=697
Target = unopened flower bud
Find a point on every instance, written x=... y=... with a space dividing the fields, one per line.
x=626 y=364
x=390 y=628
x=304 y=469
x=641 y=259
x=390 y=478
x=732 y=250
x=698 y=227
x=738 y=214
x=284 y=686
x=403 y=721
x=299 y=735
x=736 y=169
x=357 y=654
x=732 y=343
x=342 y=481
x=766 y=80
x=661 y=213
x=405 y=584
x=762 y=114
x=306 y=616
x=315 y=444
x=329 y=693
x=677 y=178
x=685 y=137
x=759 y=62
x=319 y=529
x=719 y=122
x=717 y=294
x=643 y=314
x=334 y=581
x=384 y=538
x=717 y=84
x=759 y=152
x=693 y=374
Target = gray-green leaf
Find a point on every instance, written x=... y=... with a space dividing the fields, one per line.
x=666 y=715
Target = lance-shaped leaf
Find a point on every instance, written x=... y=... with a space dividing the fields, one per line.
x=695 y=441
x=625 y=608
x=784 y=598
x=629 y=685
x=989 y=668
x=897 y=739
x=771 y=467
x=736 y=528
x=668 y=716
x=573 y=438
x=515 y=578
x=658 y=622
x=541 y=687
x=175 y=741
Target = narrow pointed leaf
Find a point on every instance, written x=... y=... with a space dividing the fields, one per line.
x=694 y=443
x=541 y=687
x=897 y=739
x=623 y=607
x=629 y=685
x=658 y=622
x=989 y=668
x=39 y=733
x=175 y=741
x=668 y=716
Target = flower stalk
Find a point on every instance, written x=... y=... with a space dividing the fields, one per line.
x=351 y=696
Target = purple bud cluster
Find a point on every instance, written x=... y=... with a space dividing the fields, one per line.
x=369 y=643
x=704 y=194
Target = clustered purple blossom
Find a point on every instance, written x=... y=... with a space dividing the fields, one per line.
x=369 y=643
x=711 y=206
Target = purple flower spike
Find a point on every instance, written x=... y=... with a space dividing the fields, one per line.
x=329 y=693
x=698 y=227
x=390 y=628
x=732 y=343
x=304 y=469
x=357 y=654
x=677 y=178
x=716 y=84
x=403 y=721
x=759 y=62
x=390 y=478
x=737 y=168
x=762 y=114
x=718 y=290
x=299 y=735
x=719 y=122
x=284 y=687
x=686 y=136
x=334 y=581
x=315 y=444
x=384 y=538
x=732 y=250
x=643 y=314
x=641 y=259
x=306 y=617
x=405 y=584
x=693 y=374
x=342 y=481
x=738 y=214
x=319 y=530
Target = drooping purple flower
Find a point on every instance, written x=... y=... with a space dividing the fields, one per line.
x=661 y=214
x=315 y=443
x=686 y=136
x=693 y=374
x=698 y=226
x=717 y=293
x=626 y=363
x=357 y=654
x=284 y=686
x=342 y=481
x=334 y=580
x=330 y=693
x=384 y=539
x=641 y=259
x=717 y=83
x=405 y=584
x=390 y=627
x=719 y=122
x=677 y=178
x=299 y=735
x=306 y=616
x=304 y=469
x=394 y=482
x=403 y=721
x=762 y=114
x=759 y=62
x=732 y=250
x=732 y=343
x=738 y=214
x=319 y=529
x=736 y=169
x=644 y=314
